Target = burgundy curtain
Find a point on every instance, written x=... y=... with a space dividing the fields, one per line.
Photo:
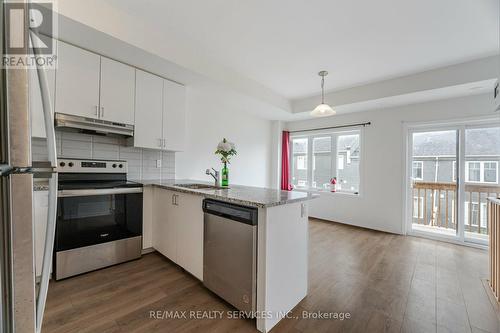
x=285 y=162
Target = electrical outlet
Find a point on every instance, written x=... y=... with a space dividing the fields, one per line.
x=158 y=163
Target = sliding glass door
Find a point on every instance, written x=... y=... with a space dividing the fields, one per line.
x=482 y=156
x=452 y=172
x=433 y=183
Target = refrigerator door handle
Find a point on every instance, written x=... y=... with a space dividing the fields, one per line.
x=52 y=204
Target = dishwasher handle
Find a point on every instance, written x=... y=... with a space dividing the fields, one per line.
x=243 y=214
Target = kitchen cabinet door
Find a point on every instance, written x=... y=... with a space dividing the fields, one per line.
x=147 y=216
x=189 y=219
x=174 y=115
x=117 y=92
x=40 y=208
x=35 y=101
x=77 y=81
x=164 y=224
x=148 y=111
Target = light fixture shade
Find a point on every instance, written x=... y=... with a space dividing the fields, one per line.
x=323 y=110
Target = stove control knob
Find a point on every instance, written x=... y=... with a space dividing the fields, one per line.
x=114 y=165
x=62 y=164
x=121 y=166
x=70 y=164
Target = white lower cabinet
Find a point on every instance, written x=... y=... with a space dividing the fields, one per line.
x=147 y=217
x=178 y=229
x=189 y=219
x=40 y=208
x=164 y=224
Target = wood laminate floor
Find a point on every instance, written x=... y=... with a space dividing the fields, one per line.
x=387 y=283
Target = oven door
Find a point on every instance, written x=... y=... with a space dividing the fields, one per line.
x=89 y=217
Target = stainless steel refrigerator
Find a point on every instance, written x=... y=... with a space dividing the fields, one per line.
x=22 y=301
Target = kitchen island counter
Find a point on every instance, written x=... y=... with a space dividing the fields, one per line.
x=244 y=195
x=174 y=223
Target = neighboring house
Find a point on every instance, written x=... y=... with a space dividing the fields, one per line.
x=345 y=168
x=434 y=157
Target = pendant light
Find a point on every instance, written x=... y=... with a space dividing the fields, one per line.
x=323 y=109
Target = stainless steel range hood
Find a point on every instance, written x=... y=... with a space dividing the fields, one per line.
x=97 y=126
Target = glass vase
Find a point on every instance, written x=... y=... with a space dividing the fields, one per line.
x=225 y=176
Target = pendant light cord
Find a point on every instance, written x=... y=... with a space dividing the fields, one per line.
x=322 y=89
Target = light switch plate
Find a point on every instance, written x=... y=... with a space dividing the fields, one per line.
x=158 y=163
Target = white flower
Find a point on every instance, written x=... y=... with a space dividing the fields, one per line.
x=225 y=146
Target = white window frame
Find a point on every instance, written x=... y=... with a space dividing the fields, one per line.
x=483 y=207
x=421 y=168
x=481 y=172
x=333 y=134
x=420 y=202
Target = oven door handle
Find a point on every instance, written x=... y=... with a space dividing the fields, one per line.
x=93 y=192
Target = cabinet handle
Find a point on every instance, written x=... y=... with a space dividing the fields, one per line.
x=97 y=110
x=102 y=111
x=164 y=143
x=160 y=143
x=173 y=199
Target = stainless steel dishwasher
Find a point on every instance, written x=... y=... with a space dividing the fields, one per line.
x=230 y=252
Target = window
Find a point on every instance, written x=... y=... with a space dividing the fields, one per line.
x=481 y=171
x=474 y=174
x=418 y=207
x=348 y=153
x=490 y=172
x=317 y=158
x=322 y=161
x=299 y=162
x=417 y=170
x=472 y=218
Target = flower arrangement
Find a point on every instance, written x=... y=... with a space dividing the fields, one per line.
x=225 y=149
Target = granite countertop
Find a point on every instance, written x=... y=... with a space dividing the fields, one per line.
x=244 y=195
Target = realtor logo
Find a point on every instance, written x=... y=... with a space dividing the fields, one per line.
x=26 y=48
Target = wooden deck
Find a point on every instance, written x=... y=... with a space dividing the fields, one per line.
x=433 y=205
x=388 y=283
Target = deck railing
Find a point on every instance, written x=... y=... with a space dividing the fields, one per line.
x=433 y=205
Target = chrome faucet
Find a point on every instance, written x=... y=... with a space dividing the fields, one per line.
x=214 y=174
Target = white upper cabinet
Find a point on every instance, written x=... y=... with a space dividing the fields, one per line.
x=35 y=100
x=117 y=91
x=174 y=116
x=148 y=111
x=77 y=81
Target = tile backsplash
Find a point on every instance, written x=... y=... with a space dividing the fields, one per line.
x=141 y=162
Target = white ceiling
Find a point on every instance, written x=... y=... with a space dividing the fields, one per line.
x=282 y=44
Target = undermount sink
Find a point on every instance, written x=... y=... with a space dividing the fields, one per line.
x=200 y=186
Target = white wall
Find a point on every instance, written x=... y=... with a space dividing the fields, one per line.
x=380 y=204
x=212 y=117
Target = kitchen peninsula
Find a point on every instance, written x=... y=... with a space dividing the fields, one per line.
x=174 y=226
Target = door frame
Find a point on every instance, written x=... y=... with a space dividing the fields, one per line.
x=459 y=125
